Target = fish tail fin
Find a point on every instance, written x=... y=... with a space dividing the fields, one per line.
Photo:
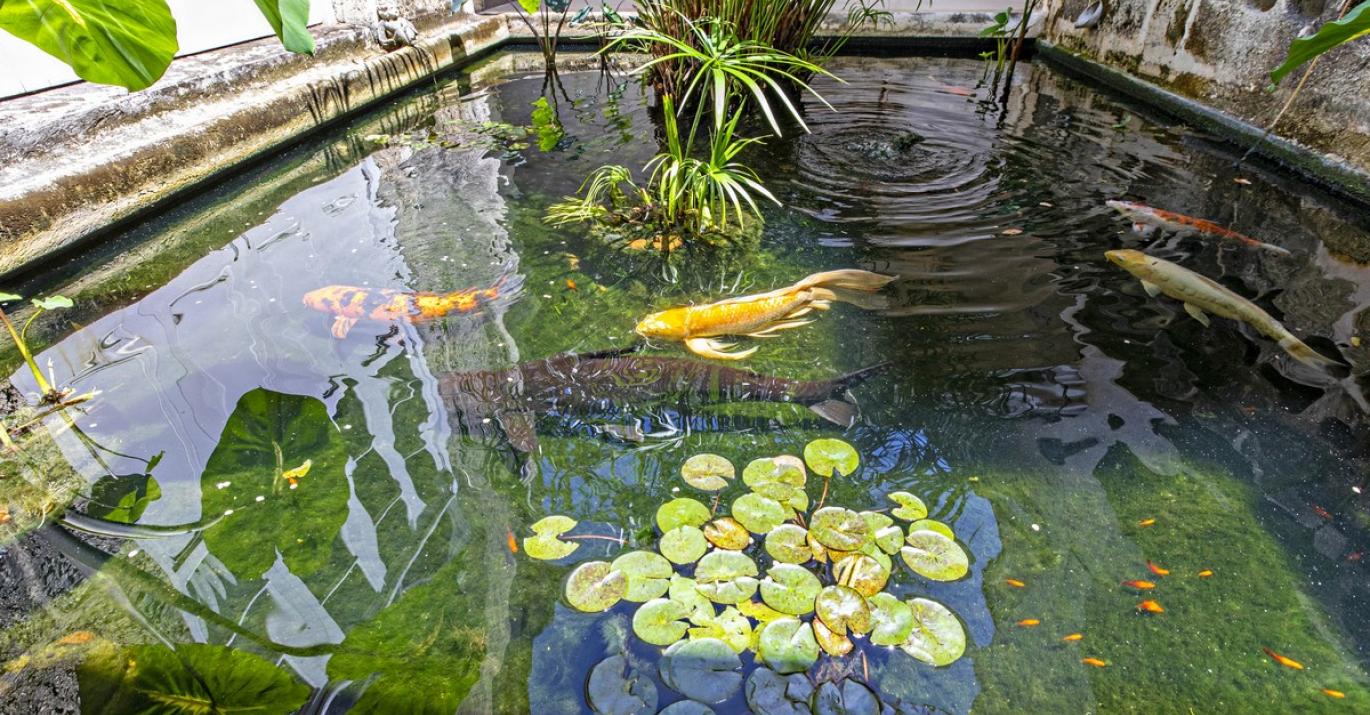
x=1308 y=356
x=847 y=279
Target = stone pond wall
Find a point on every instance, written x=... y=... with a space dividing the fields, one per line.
x=1220 y=52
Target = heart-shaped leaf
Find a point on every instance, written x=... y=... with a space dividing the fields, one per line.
x=658 y=621
x=861 y=573
x=730 y=626
x=759 y=611
x=648 y=575
x=758 y=513
x=683 y=544
x=595 y=586
x=934 y=556
x=52 y=302
x=727 y=577
x=837 y=528
x=932 y=525
x=889 y=539
x=685 y=591
x=769 y=693
x=128 y=44
x=834 y=644
x=617 y=688
x=774 y=470
x=708 y=472
x=123 y=498
x=704 y=670
x=843 y=609
x=787 y=645
x=681 y=512
x=891 y=620
x=728 y=533
x=790 y=589
x=545 y=546
x=789 y=544
x=825 y=456
x=937 y=637
x=194 y=678
x=910 y=508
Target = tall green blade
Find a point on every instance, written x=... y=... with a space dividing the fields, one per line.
x=289 y=19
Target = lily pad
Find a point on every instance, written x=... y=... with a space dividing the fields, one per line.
x=824 y=456
x=843 y=609
x=789 y=544
x=727 y=577
x=758 y=513
x=708 y=472
x=774 y=470
x=658 y=621
x=834 y=644
x=554 y=525
x=910 y=508
x=937 y=637
x=548 y=548
x=617 y=689
x=862 y=574
x=820 y=552
x=770 y=693
x=875 y=521
x=838 y=528
x=889 y=539
x=849 y=698
x=759 y=611
x=681 y=512
x=727 y=533
x=730 y=626
x=787 y=645
x=123 y=498
x=934 y=556
x=648 y=575
x=685 y=591
x=683 y=544
x=686 y=707
x=891 y=619
x=932 y=525
x=595 y=586
x=790 y=589
x=704 y=670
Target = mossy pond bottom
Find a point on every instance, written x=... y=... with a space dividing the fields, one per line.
x=1072 y=431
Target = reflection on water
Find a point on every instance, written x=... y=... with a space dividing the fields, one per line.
x=1043 y=405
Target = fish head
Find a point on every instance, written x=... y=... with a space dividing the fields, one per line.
x=1126 y=208
x=1129 y=259
x=666 y=324
x=325 y=300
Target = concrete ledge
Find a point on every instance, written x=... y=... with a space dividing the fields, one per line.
x=1336 y=176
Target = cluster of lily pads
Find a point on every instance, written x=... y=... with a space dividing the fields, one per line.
x=823 y=590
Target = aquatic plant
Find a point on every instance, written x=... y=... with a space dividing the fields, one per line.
x=130 y=43
x=823 y=590
x=1350 y=26
x=548 y=34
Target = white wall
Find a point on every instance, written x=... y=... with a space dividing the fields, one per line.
x=200 y=26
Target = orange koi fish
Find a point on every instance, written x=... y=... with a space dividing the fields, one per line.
x=1286 y=662
x=1094 y=662
x=1147 y=522
x=1140 y=584
x=1333 y=693
x=1146 y=220
x=349 y=304
x=1205 y=573
x=1073 y=637
x=1015 y=583
x=760 y=315
x=1149 y=606
x=1029 y=623
x=1157 y=569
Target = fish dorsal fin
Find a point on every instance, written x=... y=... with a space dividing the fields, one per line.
x=1197 y=313
x=342 y=325
x=1151 y=289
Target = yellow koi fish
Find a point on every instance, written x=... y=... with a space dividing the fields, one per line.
x=1200 y=294
x=349 y=304
x=758 y=316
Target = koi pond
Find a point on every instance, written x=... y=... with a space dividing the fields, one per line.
x=279 y=506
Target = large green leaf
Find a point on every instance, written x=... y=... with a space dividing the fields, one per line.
x=1355 y=24
x=289 y=19
x=269 y=434
x=128 y=43
x=123 y=498
x=195 y=678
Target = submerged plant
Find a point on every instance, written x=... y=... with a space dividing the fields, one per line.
x=769 y=576
x=548 y=35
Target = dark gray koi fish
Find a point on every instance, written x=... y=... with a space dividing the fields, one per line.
x=618 y=382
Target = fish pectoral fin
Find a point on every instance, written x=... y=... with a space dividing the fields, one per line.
x=770 y=330
x=710 y=348
x=797 y=312
x=1198 y=314
x=838 y=412
x=1151 y=289
x=342 y=325
x=1143 y=229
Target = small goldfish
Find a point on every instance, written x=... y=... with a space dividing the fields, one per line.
x=1333 y=693
x=1149 y=606
x=760 y=315
x=1094 y=662
x=1147 y=522
x=1322 y=512
x=571 y=285
x=1073 y=637
x=295 y=475
x=5 y=517
x=1140 y=584
x=1353 y=556
x=1205 y=573
x=1157 y=569
x=1015 y=583
x=1029 y=623
x=349 y=304
x=511 y=541
x=76 y=638
x=1146 y=220
x=1282 y=660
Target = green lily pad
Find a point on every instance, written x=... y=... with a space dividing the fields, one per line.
x=790 y=589
x=932 y=525
x=554 y=525
x=730 y=626
x=891 y=620
x=843 y=609
x=728 y=533
x=685 y=591
x=727 y=577
x=708 y=472
x=617 y=688
x=648 y=575
x=838 y=528
x=759 y=611
x=934 y=556
x=758 y=513
x=770 y=693
x=910 y=508
x=778 y=491
x=683 y=544
x=862 y=574
x=937 y=637
x=820 y=552
x=787 y=645
x=545 y=546
x=681 y=512
x=54 y=302
x=849 y=698
x=789 y=544
x=704 y=670
x=824 y=456
x=834 y=644
x=658 y=621
x=595 y=586
x=875 y=521
x=686 y=707
x=889 y=539
x=774 y=470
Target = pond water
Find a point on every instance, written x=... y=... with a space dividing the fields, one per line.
x=1067 y=426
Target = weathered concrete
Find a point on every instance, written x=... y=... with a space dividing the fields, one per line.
x=1220 y=53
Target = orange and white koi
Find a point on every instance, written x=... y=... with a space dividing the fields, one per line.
x=350 y=304
x=1149 y=606
x=1147 y=219
x=1156 y=569
x=761 y=315
x=1282 y=660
